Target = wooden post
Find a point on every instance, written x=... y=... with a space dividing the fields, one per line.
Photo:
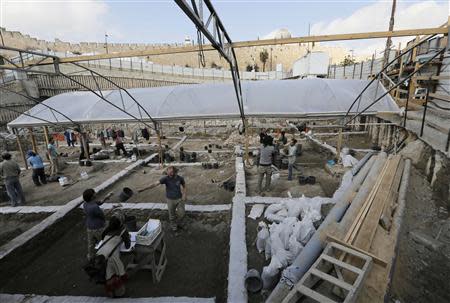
x=371 y=65
x=47 y=142
x=339 y=146
x=246 y=142
x=84 y=140
x=400 y=72
x=19 y=144
x=412 y=81
x=361 y=70
x=158 y=134
x=33 y=139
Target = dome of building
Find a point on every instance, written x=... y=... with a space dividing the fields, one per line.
x=281 y=33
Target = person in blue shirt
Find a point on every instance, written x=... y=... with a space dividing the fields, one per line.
x=36 y=163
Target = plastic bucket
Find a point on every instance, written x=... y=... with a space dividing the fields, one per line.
x=125 y=194
x=302 y=180
x=130 y=222
x=253 y=282
x=311 y=180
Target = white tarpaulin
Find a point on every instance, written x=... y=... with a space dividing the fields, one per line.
x=272 y=98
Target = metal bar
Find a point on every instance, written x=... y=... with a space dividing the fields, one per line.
x=107 y=101
x=31 y=116
x=398 y=84
x=120 y=88
x=38 y=102
x=384 y=68
x=424 y=112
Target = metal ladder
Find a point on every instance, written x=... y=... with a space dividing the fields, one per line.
x=333 y=257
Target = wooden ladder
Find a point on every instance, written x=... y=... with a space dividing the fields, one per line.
x=350 y=283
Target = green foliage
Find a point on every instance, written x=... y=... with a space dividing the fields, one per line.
x=263 y=56
x=348 y=61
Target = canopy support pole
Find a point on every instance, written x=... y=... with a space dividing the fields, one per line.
x=33 y=140
x=246 y=157
x=46 y=145
x=339 y=146
x=84 y=142
x=19 y=144
x=158 y=128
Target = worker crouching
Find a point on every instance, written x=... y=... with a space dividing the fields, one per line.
x=109 y=251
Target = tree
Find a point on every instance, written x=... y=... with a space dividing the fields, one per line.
x=250 y=68
x=348 y=61
x=263 y=56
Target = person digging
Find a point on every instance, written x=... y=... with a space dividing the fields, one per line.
x=175 y=195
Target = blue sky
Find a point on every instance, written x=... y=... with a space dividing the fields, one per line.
x=163 y=22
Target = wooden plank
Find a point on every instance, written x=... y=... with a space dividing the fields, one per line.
x=367 y=231
x=313 y=294
x=265 y=42
x=341 y=264
x=440 y=97
x=386 y=217
x=376 y=259
x=353 y=230
x=331 y=279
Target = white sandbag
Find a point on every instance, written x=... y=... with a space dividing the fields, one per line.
x=273 y=213
x=274 y=178
x=294 y=207
x=268 y=249
x=256 y=211
x=262 y=236
x=269 y=277
x=349 y=161
x=306 y=231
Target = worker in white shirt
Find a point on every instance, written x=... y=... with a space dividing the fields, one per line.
x=292 y=157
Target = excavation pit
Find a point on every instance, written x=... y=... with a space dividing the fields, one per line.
x=51 y=264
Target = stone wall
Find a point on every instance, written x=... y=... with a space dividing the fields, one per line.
x=284 y=54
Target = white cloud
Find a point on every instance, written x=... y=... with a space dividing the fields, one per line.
x=375 y=17
x=71 y=21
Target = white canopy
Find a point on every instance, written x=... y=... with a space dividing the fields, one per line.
x=274 y=98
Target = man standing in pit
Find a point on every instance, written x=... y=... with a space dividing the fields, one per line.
x=54 y=157
x=266 y=157
x=10 y=173
x=175 y=195
x=95 y=219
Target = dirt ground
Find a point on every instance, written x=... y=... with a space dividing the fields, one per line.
x=12 y=225
x=310 y=163
x=53 y=194
x=197 y=264
x=422 y=274
x=200 y=188
x=362 y=141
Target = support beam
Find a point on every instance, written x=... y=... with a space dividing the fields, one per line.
x=33 y=139
x=267 y=42
x=19 y=144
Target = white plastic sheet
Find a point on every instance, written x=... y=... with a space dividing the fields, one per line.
x=212 y=100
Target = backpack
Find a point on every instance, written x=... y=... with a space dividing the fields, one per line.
x=95 y=268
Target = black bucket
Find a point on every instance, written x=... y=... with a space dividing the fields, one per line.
x=302 y=180
x=130 y=223
x=125 y=194
x=311 y=180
